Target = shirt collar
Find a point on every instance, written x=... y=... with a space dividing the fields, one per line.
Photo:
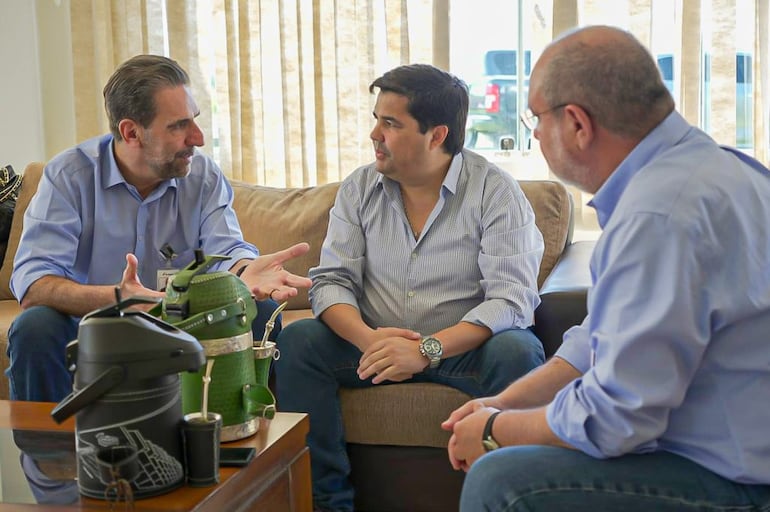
x=115 y=177
x=450 y=180
x=667 y=134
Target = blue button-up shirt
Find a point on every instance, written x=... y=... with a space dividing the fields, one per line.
x=476 y=260
x=676 y=344
x=85 y=218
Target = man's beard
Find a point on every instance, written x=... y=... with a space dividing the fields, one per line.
x=176 y=168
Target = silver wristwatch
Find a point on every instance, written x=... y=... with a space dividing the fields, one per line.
x=431 y=348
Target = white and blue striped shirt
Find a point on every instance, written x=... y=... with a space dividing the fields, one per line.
x=476 y=260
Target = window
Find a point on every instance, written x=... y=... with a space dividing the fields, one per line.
x=495 y=43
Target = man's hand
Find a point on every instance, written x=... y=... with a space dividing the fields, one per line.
x=266 y=277
x=131 y=286
x=469 y=408
x=465 y=444
x=395 y=356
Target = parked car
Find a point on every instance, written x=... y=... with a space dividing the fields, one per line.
x=493 y=114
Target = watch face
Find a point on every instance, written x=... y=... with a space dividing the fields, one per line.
x=432 y=347
x=490 y=444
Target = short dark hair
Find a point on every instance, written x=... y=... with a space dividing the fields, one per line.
x=130 y=91
x=435 y=98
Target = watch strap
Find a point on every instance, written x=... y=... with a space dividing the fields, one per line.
x=487 y=440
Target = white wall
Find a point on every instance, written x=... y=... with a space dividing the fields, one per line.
x=21 y=126
x=36 y=93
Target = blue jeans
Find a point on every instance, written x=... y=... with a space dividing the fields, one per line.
x=315 y=362
x=545 y=478
x=37 y=340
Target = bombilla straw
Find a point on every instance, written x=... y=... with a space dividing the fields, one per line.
x=271 y=323
x=206 y=381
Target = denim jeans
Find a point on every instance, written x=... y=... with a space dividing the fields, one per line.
x=545 y=478
x=37 y=340
x=315 y=362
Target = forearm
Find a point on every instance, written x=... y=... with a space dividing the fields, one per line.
x=67 y=296
x=538 y=387
x=528 y=427
x=345 y=320
x=461 y=338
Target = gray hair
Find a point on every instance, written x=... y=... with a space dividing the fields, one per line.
x=612 y=76
x=130 y=91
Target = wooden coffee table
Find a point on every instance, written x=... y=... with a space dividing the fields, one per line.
x=278 y=478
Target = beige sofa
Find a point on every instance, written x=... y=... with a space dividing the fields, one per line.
x=396 y=445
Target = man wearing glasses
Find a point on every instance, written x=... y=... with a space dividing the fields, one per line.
x=657 y=401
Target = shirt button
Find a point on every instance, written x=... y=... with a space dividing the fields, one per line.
x=414 y=255
x=410 y=294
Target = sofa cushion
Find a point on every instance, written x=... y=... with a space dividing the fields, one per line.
x=276 y=218
x=399 y=414
x=552 y=205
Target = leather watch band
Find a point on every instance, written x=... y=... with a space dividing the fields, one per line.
x=487 y=440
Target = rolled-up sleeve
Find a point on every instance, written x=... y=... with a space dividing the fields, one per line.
x=338 y=277
x=53 y=222
x=648 y=327
x=509 y=260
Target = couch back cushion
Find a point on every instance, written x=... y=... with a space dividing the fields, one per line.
x=553 y=208
x=30 y=179
x=275 y=218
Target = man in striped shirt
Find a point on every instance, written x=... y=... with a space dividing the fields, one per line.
x=428 y=272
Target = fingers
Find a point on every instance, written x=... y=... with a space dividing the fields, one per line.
x=130 y=272
x=295 y=281
x=397 y=332
x=282 y=293
x=290 y=252
x=450 y=452
x=458 y=414
x=381 y=370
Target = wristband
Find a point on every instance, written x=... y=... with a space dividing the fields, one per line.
x=487 y=440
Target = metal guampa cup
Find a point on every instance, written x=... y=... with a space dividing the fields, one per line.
x=230 y=392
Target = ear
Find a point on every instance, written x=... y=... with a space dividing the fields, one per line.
x=581 y=124
x=130 y=131
x=438 y=135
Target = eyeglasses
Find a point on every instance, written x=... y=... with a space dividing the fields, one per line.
x=530 y=119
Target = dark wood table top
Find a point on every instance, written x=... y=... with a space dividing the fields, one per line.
x=279 y=443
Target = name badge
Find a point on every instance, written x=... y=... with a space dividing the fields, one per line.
x=164 y=277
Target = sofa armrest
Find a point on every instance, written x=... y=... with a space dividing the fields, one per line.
x=563 y=296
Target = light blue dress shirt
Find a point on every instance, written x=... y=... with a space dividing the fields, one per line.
x=676 y=344
x=85 y=218
x=476 y=261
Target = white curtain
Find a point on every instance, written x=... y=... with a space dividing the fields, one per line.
x=283 y=84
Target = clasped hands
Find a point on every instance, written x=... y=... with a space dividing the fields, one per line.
x=392 y=354
x=467 y=426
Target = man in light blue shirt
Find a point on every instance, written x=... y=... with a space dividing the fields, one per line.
x=658 y=400
x=126 y=209
x=428 y=273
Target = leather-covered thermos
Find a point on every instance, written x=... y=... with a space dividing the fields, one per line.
x=218 y=309
x=127 y=401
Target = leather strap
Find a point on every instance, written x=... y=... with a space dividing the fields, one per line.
x=487 y=440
